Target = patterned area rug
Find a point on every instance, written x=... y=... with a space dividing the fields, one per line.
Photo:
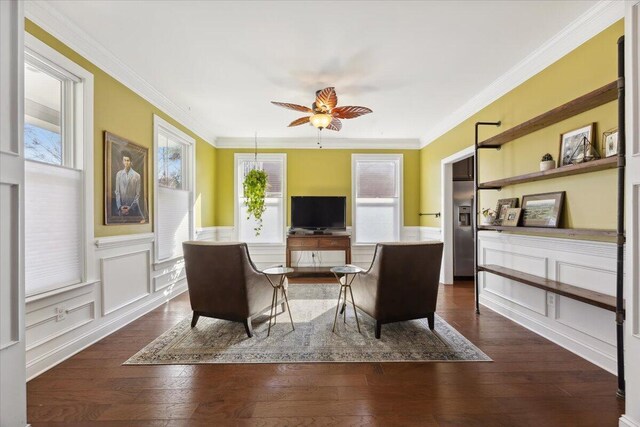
x=313 y=308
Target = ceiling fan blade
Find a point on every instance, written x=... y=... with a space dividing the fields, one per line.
x=326 y=99
x=300 y=121
x=293 y=106
x=350 y=112
x=335 y=124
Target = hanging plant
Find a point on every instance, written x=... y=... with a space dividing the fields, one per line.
x=255 y=190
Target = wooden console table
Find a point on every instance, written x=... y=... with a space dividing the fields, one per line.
x=319 y=242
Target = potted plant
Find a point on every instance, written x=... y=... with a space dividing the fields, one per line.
x=255 y=189
x=488 y=216
x=547 y=162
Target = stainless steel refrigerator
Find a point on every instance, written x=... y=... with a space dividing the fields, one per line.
x=462 y=231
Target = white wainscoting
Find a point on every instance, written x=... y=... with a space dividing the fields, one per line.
x=581 y=328
x=59 y=324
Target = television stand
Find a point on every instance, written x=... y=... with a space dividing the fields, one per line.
x=321 y=232
x=319 y=242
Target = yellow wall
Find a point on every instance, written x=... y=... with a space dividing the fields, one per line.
x=591 y=197
x=119 y=110
x=317 y=172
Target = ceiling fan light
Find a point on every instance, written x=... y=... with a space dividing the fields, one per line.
x=321 y=120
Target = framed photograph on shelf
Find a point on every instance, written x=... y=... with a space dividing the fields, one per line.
x=577 y=146
x=610 y=143
x=542 y=210
x=502 y=207
x=125 y=181
x=512 y=217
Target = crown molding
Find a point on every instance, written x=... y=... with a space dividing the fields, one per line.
x=596 y=19
x=48 y=18
x=312 y=143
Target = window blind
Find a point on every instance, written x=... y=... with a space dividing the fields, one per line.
x=173 y=221
x=273 y=217
x=377 y=207
x=53 y=236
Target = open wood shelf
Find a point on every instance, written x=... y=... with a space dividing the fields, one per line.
x=566 y=232
x=579 y=105
x=592 y=166
x=587 y=296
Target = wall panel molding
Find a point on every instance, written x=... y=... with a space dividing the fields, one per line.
x=124 y=241
x=581 y=328
x=125 y=279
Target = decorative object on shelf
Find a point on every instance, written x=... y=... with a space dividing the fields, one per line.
x=125 y=181
x=502 y=207
x=610 y=143
x=576 y=147
x=512 y=217
x=324 y=113
x=543 y=210
x=547 y=162
x=488 y=216
x=254 y=189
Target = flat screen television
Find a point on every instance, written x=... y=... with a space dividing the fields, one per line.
x=319 y=212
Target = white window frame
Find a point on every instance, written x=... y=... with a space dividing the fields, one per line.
x=80 y=156
x=242 y=157
x=355 y=158
x=188 y=182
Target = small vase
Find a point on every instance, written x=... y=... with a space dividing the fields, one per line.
x=547 y=164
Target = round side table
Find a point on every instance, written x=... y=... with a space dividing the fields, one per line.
x=346 y=271
x=278 y=273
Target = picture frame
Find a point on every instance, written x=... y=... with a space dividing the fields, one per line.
x=610 y=143
x=126 y=176
x=502 y=207
x=512 y=217
x=542 y=210
x=572 y=146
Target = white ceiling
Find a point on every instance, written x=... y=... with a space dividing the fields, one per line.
x=412 y=63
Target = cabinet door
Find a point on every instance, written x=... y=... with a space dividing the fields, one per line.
x=463 y=170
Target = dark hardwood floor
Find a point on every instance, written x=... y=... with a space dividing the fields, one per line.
x=532 y=382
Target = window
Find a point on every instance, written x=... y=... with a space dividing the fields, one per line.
x=377 y=197
x=174 y=185
x=273 y=219
x=58 y=95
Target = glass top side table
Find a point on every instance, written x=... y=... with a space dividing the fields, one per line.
x=346 y=271
x=280 y=273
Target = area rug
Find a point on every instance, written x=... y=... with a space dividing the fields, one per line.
x=313 y=308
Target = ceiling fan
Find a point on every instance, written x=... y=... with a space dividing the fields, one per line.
x=324 y=113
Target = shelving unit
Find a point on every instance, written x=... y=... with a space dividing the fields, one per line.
x=585 y=295
x=593 y=166
x=560 y=232
x=603 y=95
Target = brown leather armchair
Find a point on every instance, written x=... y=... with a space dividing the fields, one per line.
x=401 y=284
x=224 y=283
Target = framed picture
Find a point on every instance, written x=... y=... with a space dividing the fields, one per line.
x=125 y=181
x=502 y=207
x=542 y=210
x=576 y=146
x=512 y=218
x=610 y=143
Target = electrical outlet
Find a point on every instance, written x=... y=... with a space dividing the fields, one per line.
x=551 y=299
x=61 y=313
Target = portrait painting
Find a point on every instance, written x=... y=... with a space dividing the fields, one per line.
x=577 y=146
x=125 y=181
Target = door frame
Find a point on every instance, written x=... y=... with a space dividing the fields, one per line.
x=446 y=209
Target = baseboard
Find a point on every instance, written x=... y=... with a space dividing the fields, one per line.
x=625 y=421
x=68 y=349
x=574 y=346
